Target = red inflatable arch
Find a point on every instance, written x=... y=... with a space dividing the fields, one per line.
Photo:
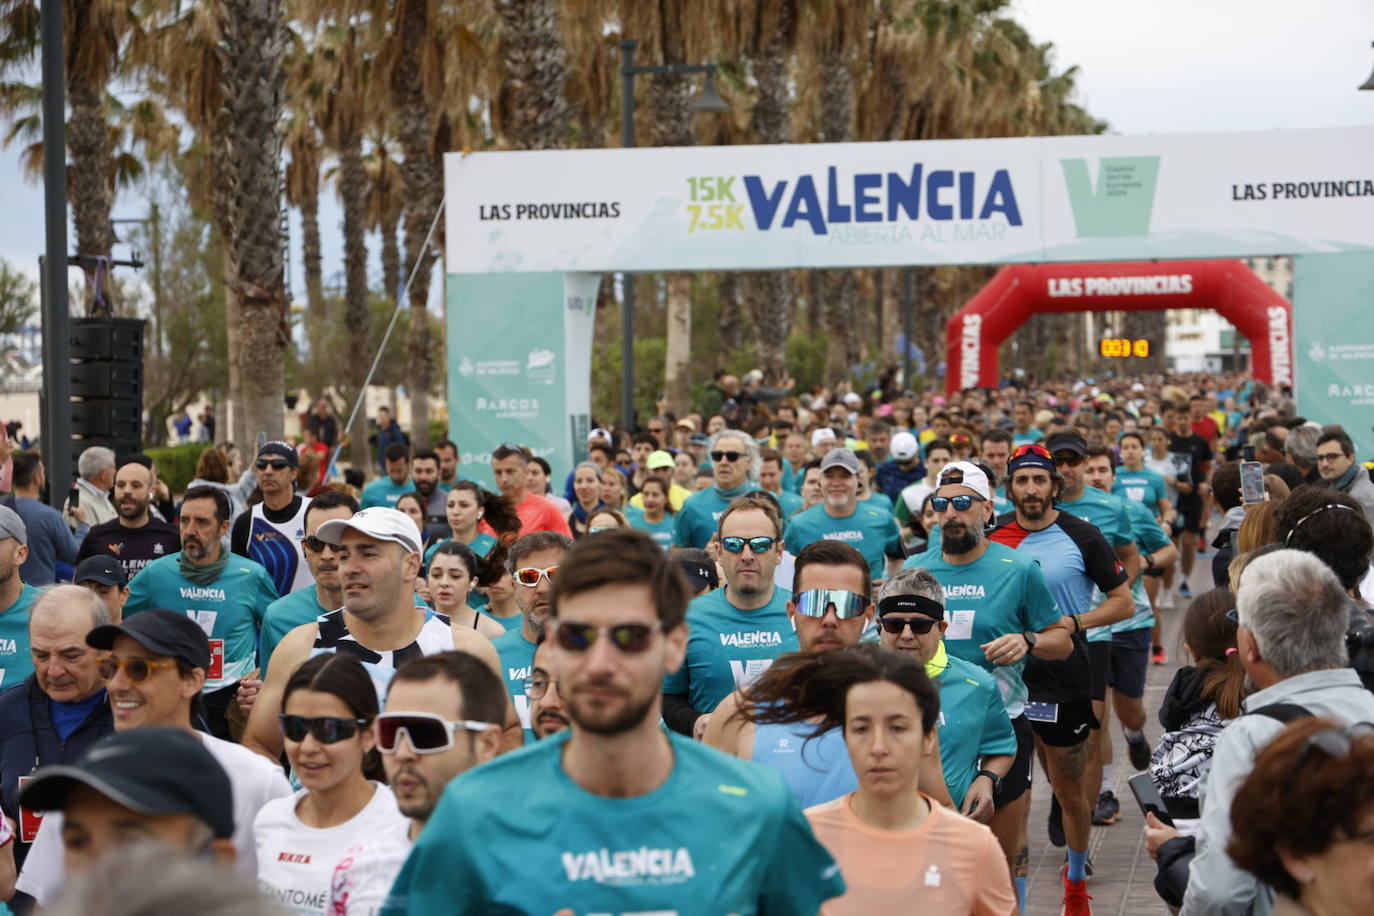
x=1018 y=291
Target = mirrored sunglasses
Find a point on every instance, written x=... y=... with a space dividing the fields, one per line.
x=961 y=503
x=530 y=575
x=627 y=637
x=817 y=602
x=757 y=545
x=426 y=732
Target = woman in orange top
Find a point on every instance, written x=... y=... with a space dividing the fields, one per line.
x=898 y=850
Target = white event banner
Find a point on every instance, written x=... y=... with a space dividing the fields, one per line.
x=1207 y=195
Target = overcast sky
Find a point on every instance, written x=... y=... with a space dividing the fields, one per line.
x=1145 y=66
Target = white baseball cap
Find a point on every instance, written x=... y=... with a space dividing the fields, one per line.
x=822 y=435
x=380 y=522
x=964 y=473
x=904 y=446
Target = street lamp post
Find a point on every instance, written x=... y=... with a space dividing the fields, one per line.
x=1368 y=84
x=709 y=100
x=57 y=411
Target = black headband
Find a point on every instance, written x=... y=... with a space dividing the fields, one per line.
x=911 y=604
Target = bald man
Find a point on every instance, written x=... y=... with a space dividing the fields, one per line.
x=135 y=537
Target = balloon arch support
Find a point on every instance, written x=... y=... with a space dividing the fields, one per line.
x=1016 y=292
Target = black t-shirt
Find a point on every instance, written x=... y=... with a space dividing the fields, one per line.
x=134 y=548
x=1200 y=456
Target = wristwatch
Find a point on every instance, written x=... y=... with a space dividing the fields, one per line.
x=996 y=780
x=1030 y=636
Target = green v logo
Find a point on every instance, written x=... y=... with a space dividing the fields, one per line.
x=1121 y=202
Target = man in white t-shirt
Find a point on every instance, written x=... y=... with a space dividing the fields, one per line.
x=154 y=673
x=441 y=719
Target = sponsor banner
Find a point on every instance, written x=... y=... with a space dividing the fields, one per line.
x=1333 y=344
x=510 y=376
x=912 y=203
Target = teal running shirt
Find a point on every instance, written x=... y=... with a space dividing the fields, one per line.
x=661 y=532
x=868 y=529
x=973 y=723
x=1149 y=537
x=517 y=658
x=518 y=836
x=16 y=663
x=728 y=648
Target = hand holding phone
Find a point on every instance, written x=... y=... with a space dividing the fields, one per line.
x=1252 y=483
x=1147 y=796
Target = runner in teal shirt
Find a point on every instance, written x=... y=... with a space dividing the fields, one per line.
x=517 y=658
x=384 y=492
x=732 y=455
x=870 y=530
x=728 y=648
x=973 y=721
x=718 y=836
x=1149 y=539
x=15 y=661
x=284 y=615
x=230 y=609
x=660 y=531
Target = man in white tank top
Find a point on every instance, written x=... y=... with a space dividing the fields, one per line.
x=379 y=558
x=270 y=532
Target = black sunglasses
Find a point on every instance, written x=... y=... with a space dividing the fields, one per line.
x=727 y=456
x=326 y=729
x=274 y=465
x=627 y=637
x=920 y=626
x=961 y=503
x=1068 y=459
x=314 y=544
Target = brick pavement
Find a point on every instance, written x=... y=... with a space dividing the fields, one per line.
x=1123 y=873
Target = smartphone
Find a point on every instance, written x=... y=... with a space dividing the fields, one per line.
x=74 y=497
x=1147 y=796
x=1251 y=482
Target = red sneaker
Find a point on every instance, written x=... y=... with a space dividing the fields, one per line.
x=1159 y=656
x=1075 y=896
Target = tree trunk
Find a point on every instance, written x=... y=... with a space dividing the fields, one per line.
x=890 y=315
x=391 y=257
x=533 y=111
x=423 y=179
x=252 y=76
x=353 y=197
x=90 y=180
x=837 y=289
x=677 y=382
x=769 y=294
x=732 y=323
x=311 y=259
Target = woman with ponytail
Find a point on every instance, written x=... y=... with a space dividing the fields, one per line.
x=1198 y=704
x=899 y=850
x=455 y=570
x=468 y=507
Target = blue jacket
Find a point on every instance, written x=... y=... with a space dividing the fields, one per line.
x=28 y=740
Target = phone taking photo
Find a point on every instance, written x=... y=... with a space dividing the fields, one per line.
x=1251 y=482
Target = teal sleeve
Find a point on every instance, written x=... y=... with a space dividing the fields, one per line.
x=790 y=534
x=801 y=874
x=269 y=637
x=998 y=735
x=679 y=681
x=1124 y=536
x=266 y=594
x=894 y=547
x=1038 y=607
x=438 y=876
x=370 y=498
x=140 y=598
x=682 y=528
x=1149 y=536
x=1160 y=493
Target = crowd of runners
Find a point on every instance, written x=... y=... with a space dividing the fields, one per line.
x=793 y=653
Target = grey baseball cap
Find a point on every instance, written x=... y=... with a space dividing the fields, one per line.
x=12 y=526
x=841 y=458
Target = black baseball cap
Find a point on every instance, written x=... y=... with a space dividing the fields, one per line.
x=154 y=771
x=701 y=575
x=1067 y=442
x=101 y=568
x=160 y=631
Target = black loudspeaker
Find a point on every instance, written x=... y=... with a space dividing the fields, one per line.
x=107 y=384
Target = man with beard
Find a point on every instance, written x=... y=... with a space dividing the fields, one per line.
x=630 y=817
x=378 y=553
x=548 y=714
x=424 y=471
x=270 y=532
x=447 y=453
x=439 y=721
x=17 y=598
x=225 y=594
x=1000 y=611
x=738 y=630
x=841 y=517
x=533 y=563
x=1066 y=699
x=135 y=537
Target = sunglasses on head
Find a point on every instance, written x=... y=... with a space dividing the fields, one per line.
x=961 y=503
x=627 y=637
x=758 y=545
x=727 y=456
x=817 y=602
x=920 y=626
x=137 y=670
x=326 y=729
x=1032 y=449
x=263 y=465
x=426 y=732
x=530 y=575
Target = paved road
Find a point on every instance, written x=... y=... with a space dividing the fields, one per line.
x=1123 y=873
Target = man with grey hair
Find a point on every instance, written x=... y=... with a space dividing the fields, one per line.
x=734 y=460
x=1293 y=615
x=974 y=725
x=1300 y=448
x=532 y=562
x=60 y=710
x=96 y=468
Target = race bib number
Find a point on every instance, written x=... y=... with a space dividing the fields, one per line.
x=216 y=670
x=960 y=625
x=1042 y=712
x=29 y=820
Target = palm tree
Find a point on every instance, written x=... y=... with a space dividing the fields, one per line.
x=530 y=110
x=385 y=203
x=303 y=193
x=252 y=52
